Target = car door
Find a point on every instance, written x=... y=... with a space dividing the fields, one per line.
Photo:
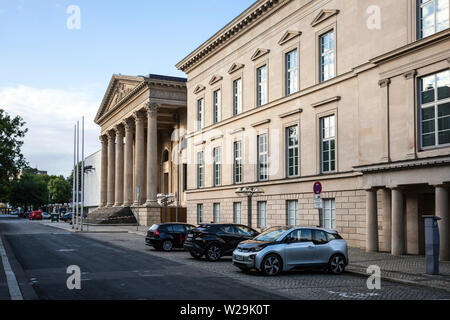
x=299 y=248
x=179 y=234
x=230 y=236
x=245 y=233
x=322 y=250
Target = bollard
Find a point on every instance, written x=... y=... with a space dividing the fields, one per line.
x=432 y=244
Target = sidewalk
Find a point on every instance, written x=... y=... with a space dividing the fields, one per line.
x=403 y=269
x=4 y=291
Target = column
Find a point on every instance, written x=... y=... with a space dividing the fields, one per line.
x=398 y=223
x=104 y=171
x=442 y=212
x=412 y=224
x=152 y=153
x=119 y=166
x=371 y=221
x=140 y=156
x=111 y=167
x=387 y=219
x=128 y=159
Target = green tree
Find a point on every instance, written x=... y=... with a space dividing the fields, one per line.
x=30 y=189
x=12 y=161
x=60 y=189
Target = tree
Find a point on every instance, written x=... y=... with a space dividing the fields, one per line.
x=12 y=161
x=30 y=189
x=60 y=189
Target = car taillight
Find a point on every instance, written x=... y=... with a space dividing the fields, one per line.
x=156 y=233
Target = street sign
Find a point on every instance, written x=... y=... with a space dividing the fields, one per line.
x=317 y=188
x=318 y=203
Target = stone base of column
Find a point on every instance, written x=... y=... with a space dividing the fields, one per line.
x=118 y=205
x=152 y=204
x=148 y=215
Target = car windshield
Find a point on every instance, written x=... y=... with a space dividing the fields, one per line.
x=271 y=234
x=154 y=227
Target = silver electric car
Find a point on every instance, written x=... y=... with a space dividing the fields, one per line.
x=281 y=249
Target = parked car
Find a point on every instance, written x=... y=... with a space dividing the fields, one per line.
x=25 y=214
x=45 y=215
x=166 y=236
x=216 y=240
x=67 y=217
x=284 y=248
x=36 y=215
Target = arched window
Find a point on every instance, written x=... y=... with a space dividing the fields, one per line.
x=166 y=156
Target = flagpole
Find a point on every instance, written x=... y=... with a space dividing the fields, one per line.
x=82 y=172
x=73 y=173
x=78 y=171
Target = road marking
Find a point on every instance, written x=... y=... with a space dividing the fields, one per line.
x=13 y=286
x=66 y=250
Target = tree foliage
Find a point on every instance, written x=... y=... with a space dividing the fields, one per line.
x=30 y=189
x=60 y=189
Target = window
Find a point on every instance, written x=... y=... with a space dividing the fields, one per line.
x=244 y=230
x=200 y=170
x=200 y=110
x=302 y=235
x=292 y=212
x=328 y=214
x=263 y=174
x=435 y=109
x=328 y=144
x=237 y=97
x=262 y=85
x=292 y=151
x=199 y=213
x=291 y=72
x=262 y=214
x=217 y=106
x=326 y=47
x=217 y=166
x=178 y=228
x=319 y=237
x=216 y=212
x=237 y=172
x=237 y=212
x=184 y=176
x=433 y=17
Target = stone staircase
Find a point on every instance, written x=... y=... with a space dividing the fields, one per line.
x=113 y=215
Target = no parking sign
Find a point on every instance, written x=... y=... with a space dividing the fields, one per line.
x=317 y=188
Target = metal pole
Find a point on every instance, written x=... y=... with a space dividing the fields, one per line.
x=165 y=209
x=77 y=179
x=249 y=198
x=73 y=173
x=82 y=172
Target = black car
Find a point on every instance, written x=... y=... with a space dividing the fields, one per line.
x=217 y=240
x=166 y=236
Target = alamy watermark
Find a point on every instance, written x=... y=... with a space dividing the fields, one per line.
x=74 y=280
x=74 y=20
x=374 y=280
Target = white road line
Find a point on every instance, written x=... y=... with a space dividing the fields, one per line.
x=13 y=286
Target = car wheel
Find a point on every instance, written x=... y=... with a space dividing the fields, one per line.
x=271 y=265
x=337 y=264
x=195 y=255
x=167 y=245
x=213 y=253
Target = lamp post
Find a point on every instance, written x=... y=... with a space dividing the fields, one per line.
x=249 y=192
x=164 y=200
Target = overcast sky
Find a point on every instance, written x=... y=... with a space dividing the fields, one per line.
x=51 y=75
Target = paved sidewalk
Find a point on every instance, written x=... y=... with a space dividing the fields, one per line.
x=403 y=269
x=4 y=291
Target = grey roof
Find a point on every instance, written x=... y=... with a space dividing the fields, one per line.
x=167 y=78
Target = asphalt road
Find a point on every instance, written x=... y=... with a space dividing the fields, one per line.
x=120 y=266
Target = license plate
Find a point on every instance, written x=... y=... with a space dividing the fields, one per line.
x=189 y=236
x=239 y=258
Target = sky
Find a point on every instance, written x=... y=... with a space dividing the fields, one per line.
x=55 y=68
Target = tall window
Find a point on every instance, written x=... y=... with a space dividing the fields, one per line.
x=262 y=214
x=237 y=162
x=200 y=117
x=292 y=212
x=433 y=17
x=262 y=85
x=291 y=72
x=185 y=176
x=328 y=144
x=200 y=170
x=237 y=96
x=199 y=213
x=326 y=46
x=292 y=151
x=328 y=214
x=216 y=212
x=217 y=166
x=263 y=174
x=435 y=109
x=217 y=106
x=237 y=212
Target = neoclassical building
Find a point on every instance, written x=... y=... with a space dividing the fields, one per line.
x=354 y=94
x=142 y=120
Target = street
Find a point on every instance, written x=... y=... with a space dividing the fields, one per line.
x=119 y=266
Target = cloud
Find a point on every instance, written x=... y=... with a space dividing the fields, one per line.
x=50 y=116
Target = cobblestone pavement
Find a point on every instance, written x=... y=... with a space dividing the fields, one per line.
x=295 y=284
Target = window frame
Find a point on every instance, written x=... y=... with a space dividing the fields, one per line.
x=288 y=71
x=200 y=113
x=217 y=166
x=321 y=34
x=322 y=140
x=237 y=97
x=288 y=148
x=217 y=105
x=200 y=213
x=262 y=86
x=288 y=210
x=237 y=162
x=264 y=154
x=332 y=214
x=200 y=170
x=216 y=215
x=419 y=19
x=261 y=218
x=235 y=213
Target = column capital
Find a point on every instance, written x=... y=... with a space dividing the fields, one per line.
x=128 y=124
x=103 y=138
x=119 y=129
x=139 y=116
x=152 y=108
x=111 y=134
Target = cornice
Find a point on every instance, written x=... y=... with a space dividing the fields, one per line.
x=236 y=27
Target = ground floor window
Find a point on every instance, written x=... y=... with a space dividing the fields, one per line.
x=262 y=214
x=328 y=214
x=199 y=213
x=292 y=212
x=216 y=211
x=237 y=212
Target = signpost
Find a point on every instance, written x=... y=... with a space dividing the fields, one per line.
x=318 y=203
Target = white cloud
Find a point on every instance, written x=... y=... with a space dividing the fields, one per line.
x=50 y=116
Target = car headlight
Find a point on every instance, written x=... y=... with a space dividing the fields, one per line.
x=256 y=249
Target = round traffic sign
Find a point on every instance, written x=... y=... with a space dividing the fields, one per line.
x=317 y=188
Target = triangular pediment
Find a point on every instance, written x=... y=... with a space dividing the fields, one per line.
x=199 y=89
x=235 y=67
x=324 y=15
x=119 y=88
x=289 y=35
x=259 y=53
x=215 y=78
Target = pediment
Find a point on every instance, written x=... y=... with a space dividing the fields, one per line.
x=199 y=89
x=215 y=78
x=324 y=15
x=235 y=67
x=289 y=35
x=259 y=53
